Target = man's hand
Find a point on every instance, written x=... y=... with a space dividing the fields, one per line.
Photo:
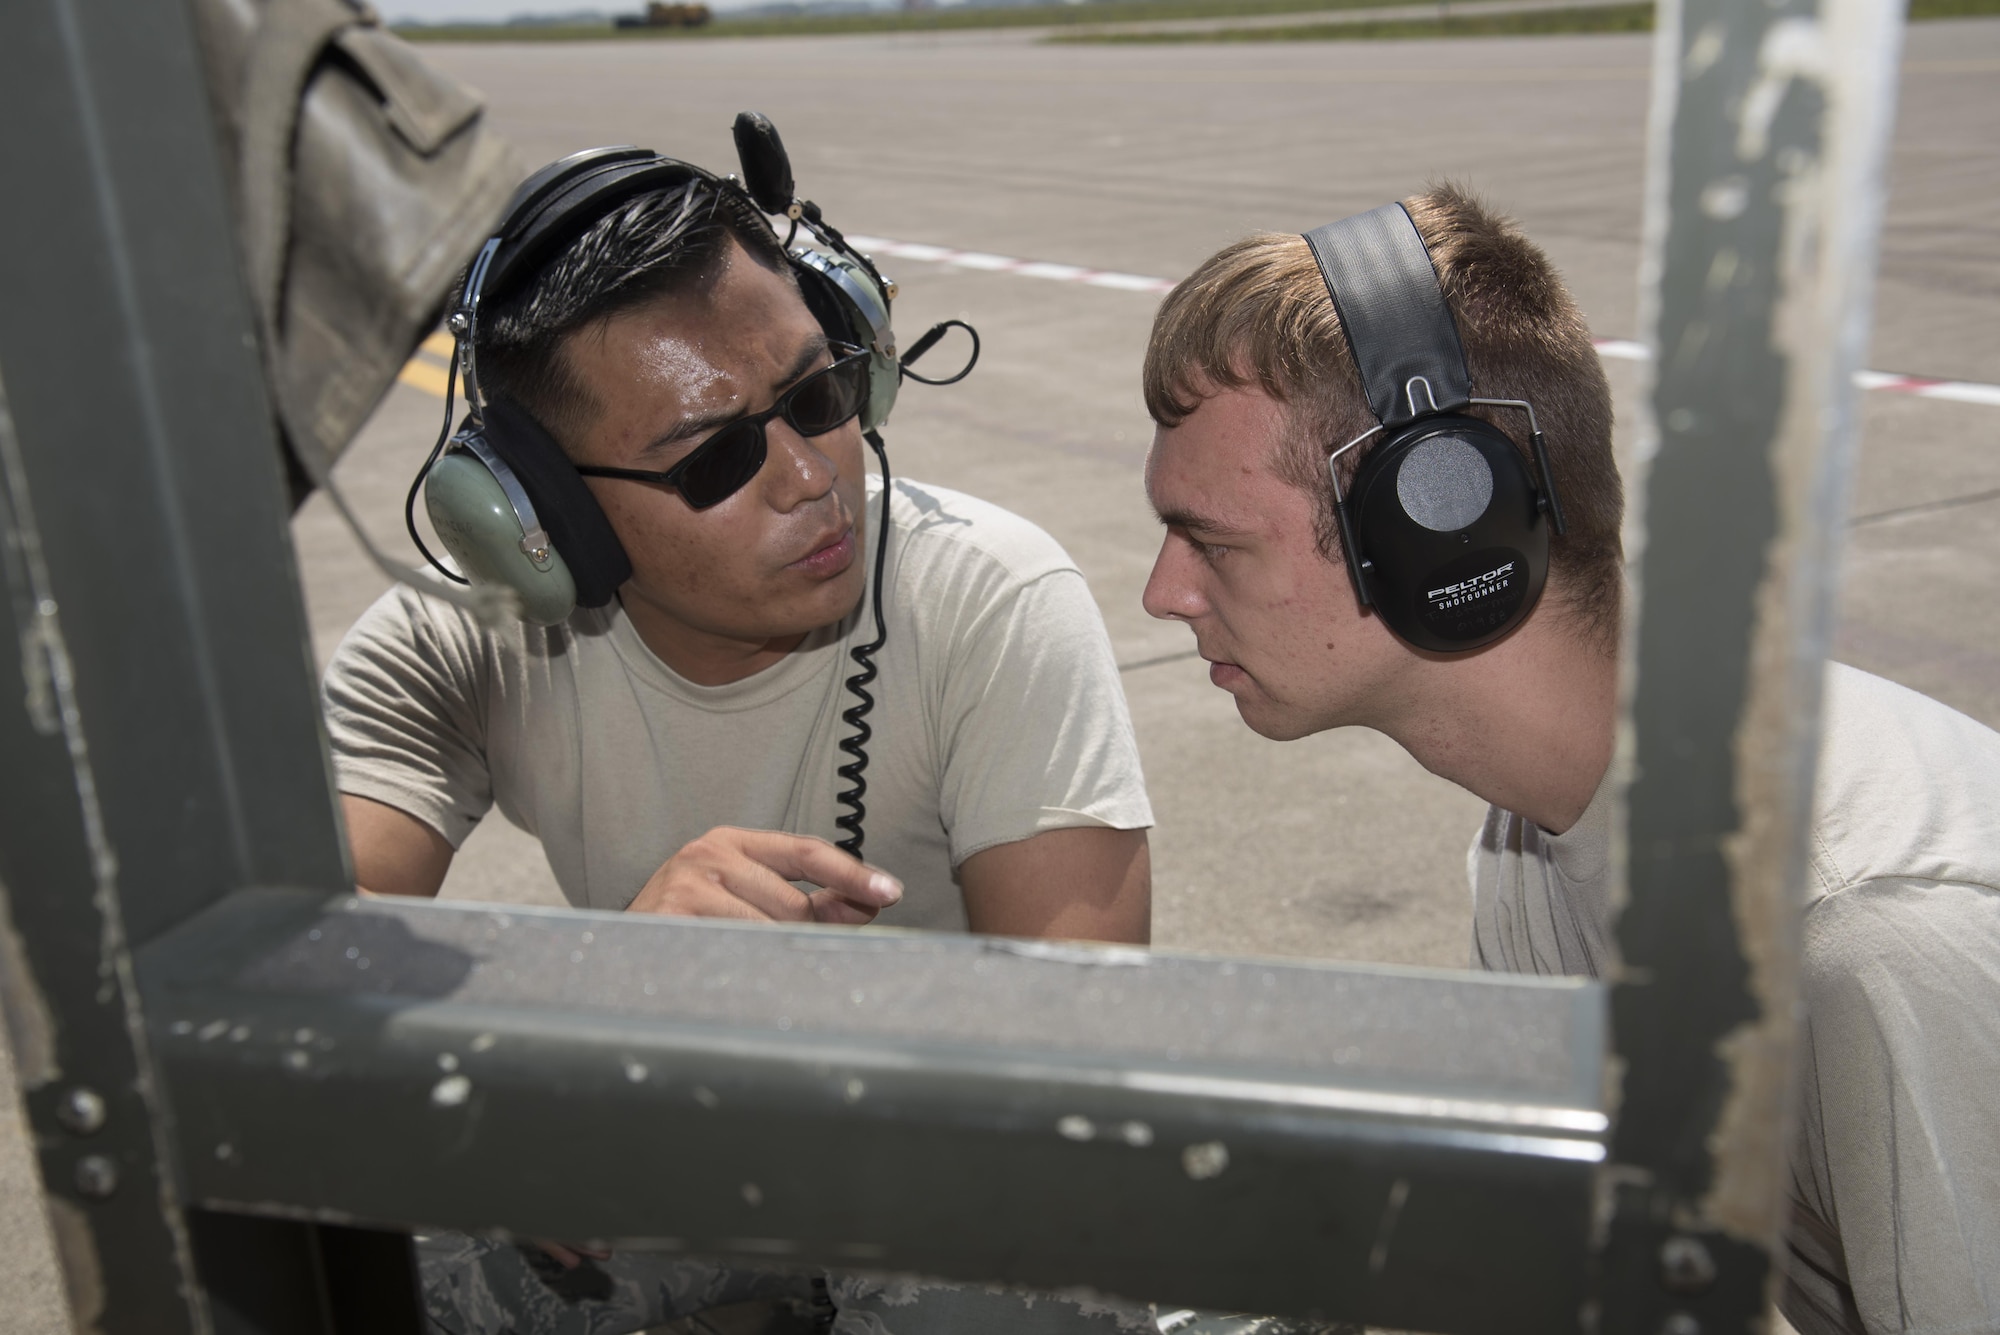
x=730 y=873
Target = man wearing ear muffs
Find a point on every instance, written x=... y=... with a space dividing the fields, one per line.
x=667 y=435
x=1383 y=461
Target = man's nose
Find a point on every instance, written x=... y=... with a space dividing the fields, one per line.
x=1171 y=593
x=797 y=471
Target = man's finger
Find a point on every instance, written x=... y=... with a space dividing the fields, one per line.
x=797 y=857
x=765 y=891
x=761 y=890
x=832 y=909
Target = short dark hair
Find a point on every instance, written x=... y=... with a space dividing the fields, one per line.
x=1257 y=313
x=654 y=244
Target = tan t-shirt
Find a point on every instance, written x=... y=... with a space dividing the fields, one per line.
x=998 y=714
x=1896 y=1166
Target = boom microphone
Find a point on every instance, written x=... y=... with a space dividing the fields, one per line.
x=767 y=169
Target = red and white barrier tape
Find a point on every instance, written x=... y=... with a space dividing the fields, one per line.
x=1618 y=349
x=426 y=376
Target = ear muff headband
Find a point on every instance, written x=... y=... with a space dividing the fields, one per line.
x=1404 y=340
x=1441 y=529
x=594 y=183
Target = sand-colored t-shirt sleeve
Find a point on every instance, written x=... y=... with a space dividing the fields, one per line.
x=404 y=715
x=1034 y=727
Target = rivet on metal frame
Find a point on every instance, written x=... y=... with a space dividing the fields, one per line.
x=1685 y=1265
x=81 y=1110
x=96 y=1176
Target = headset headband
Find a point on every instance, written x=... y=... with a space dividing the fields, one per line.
x=551 y=209
x=1400 y=331
x=579 y=191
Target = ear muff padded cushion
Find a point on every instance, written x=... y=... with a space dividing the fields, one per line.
x=1451 y=589
x=576 y=523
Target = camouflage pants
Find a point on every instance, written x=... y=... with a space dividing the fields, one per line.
x=474 y=1287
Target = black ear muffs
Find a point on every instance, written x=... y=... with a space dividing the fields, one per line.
x=575 y=522
x=1448 y=525
x=1443 y=525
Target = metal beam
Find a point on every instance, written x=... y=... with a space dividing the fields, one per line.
x=157 y=705
x=1770 y=130
x=1401 y=1147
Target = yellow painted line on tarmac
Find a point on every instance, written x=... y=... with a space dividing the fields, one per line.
x=423 y=375
x=440 y=345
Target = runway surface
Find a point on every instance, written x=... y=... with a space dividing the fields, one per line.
x=993 y=162
x=1136 y=162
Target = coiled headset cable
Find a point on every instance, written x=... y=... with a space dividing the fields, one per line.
x=855 y=716
x=855 y=744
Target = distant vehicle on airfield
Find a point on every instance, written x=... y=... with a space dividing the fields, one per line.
x=660 y=15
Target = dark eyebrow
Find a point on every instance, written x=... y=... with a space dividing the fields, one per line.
x=1198 y=523
x=700 y=424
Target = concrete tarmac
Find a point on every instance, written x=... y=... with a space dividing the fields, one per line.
x=1143 y=160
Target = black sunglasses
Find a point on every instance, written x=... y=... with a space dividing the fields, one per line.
x=720 y=465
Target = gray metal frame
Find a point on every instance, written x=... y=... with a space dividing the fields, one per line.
x=202 y=1017
x=1769 y=134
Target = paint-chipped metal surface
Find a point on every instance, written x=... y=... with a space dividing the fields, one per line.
x=1458 y=1034
x=157 y=706
x=65 y=973
x=1311 y=1140
x=1769 y=130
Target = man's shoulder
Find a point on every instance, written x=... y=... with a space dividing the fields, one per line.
x=404 y=616
x=946 y=532
x=406 y=625
x=1907 y=787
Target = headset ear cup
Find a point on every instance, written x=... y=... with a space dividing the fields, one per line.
x=575 y=522
x=477 y=524
x=843 y=297
x=1445 y=511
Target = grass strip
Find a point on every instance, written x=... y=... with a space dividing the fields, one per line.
x=1953 y=9
x=1584 y=19
x=954 y=18
x=1592 y=18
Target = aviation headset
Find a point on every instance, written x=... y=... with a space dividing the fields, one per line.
x=1442 y=528
x=504 y=498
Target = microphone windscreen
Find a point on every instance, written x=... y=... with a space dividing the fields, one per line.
x=767 y=171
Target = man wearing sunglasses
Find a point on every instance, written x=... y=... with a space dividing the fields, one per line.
x=676 y=751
